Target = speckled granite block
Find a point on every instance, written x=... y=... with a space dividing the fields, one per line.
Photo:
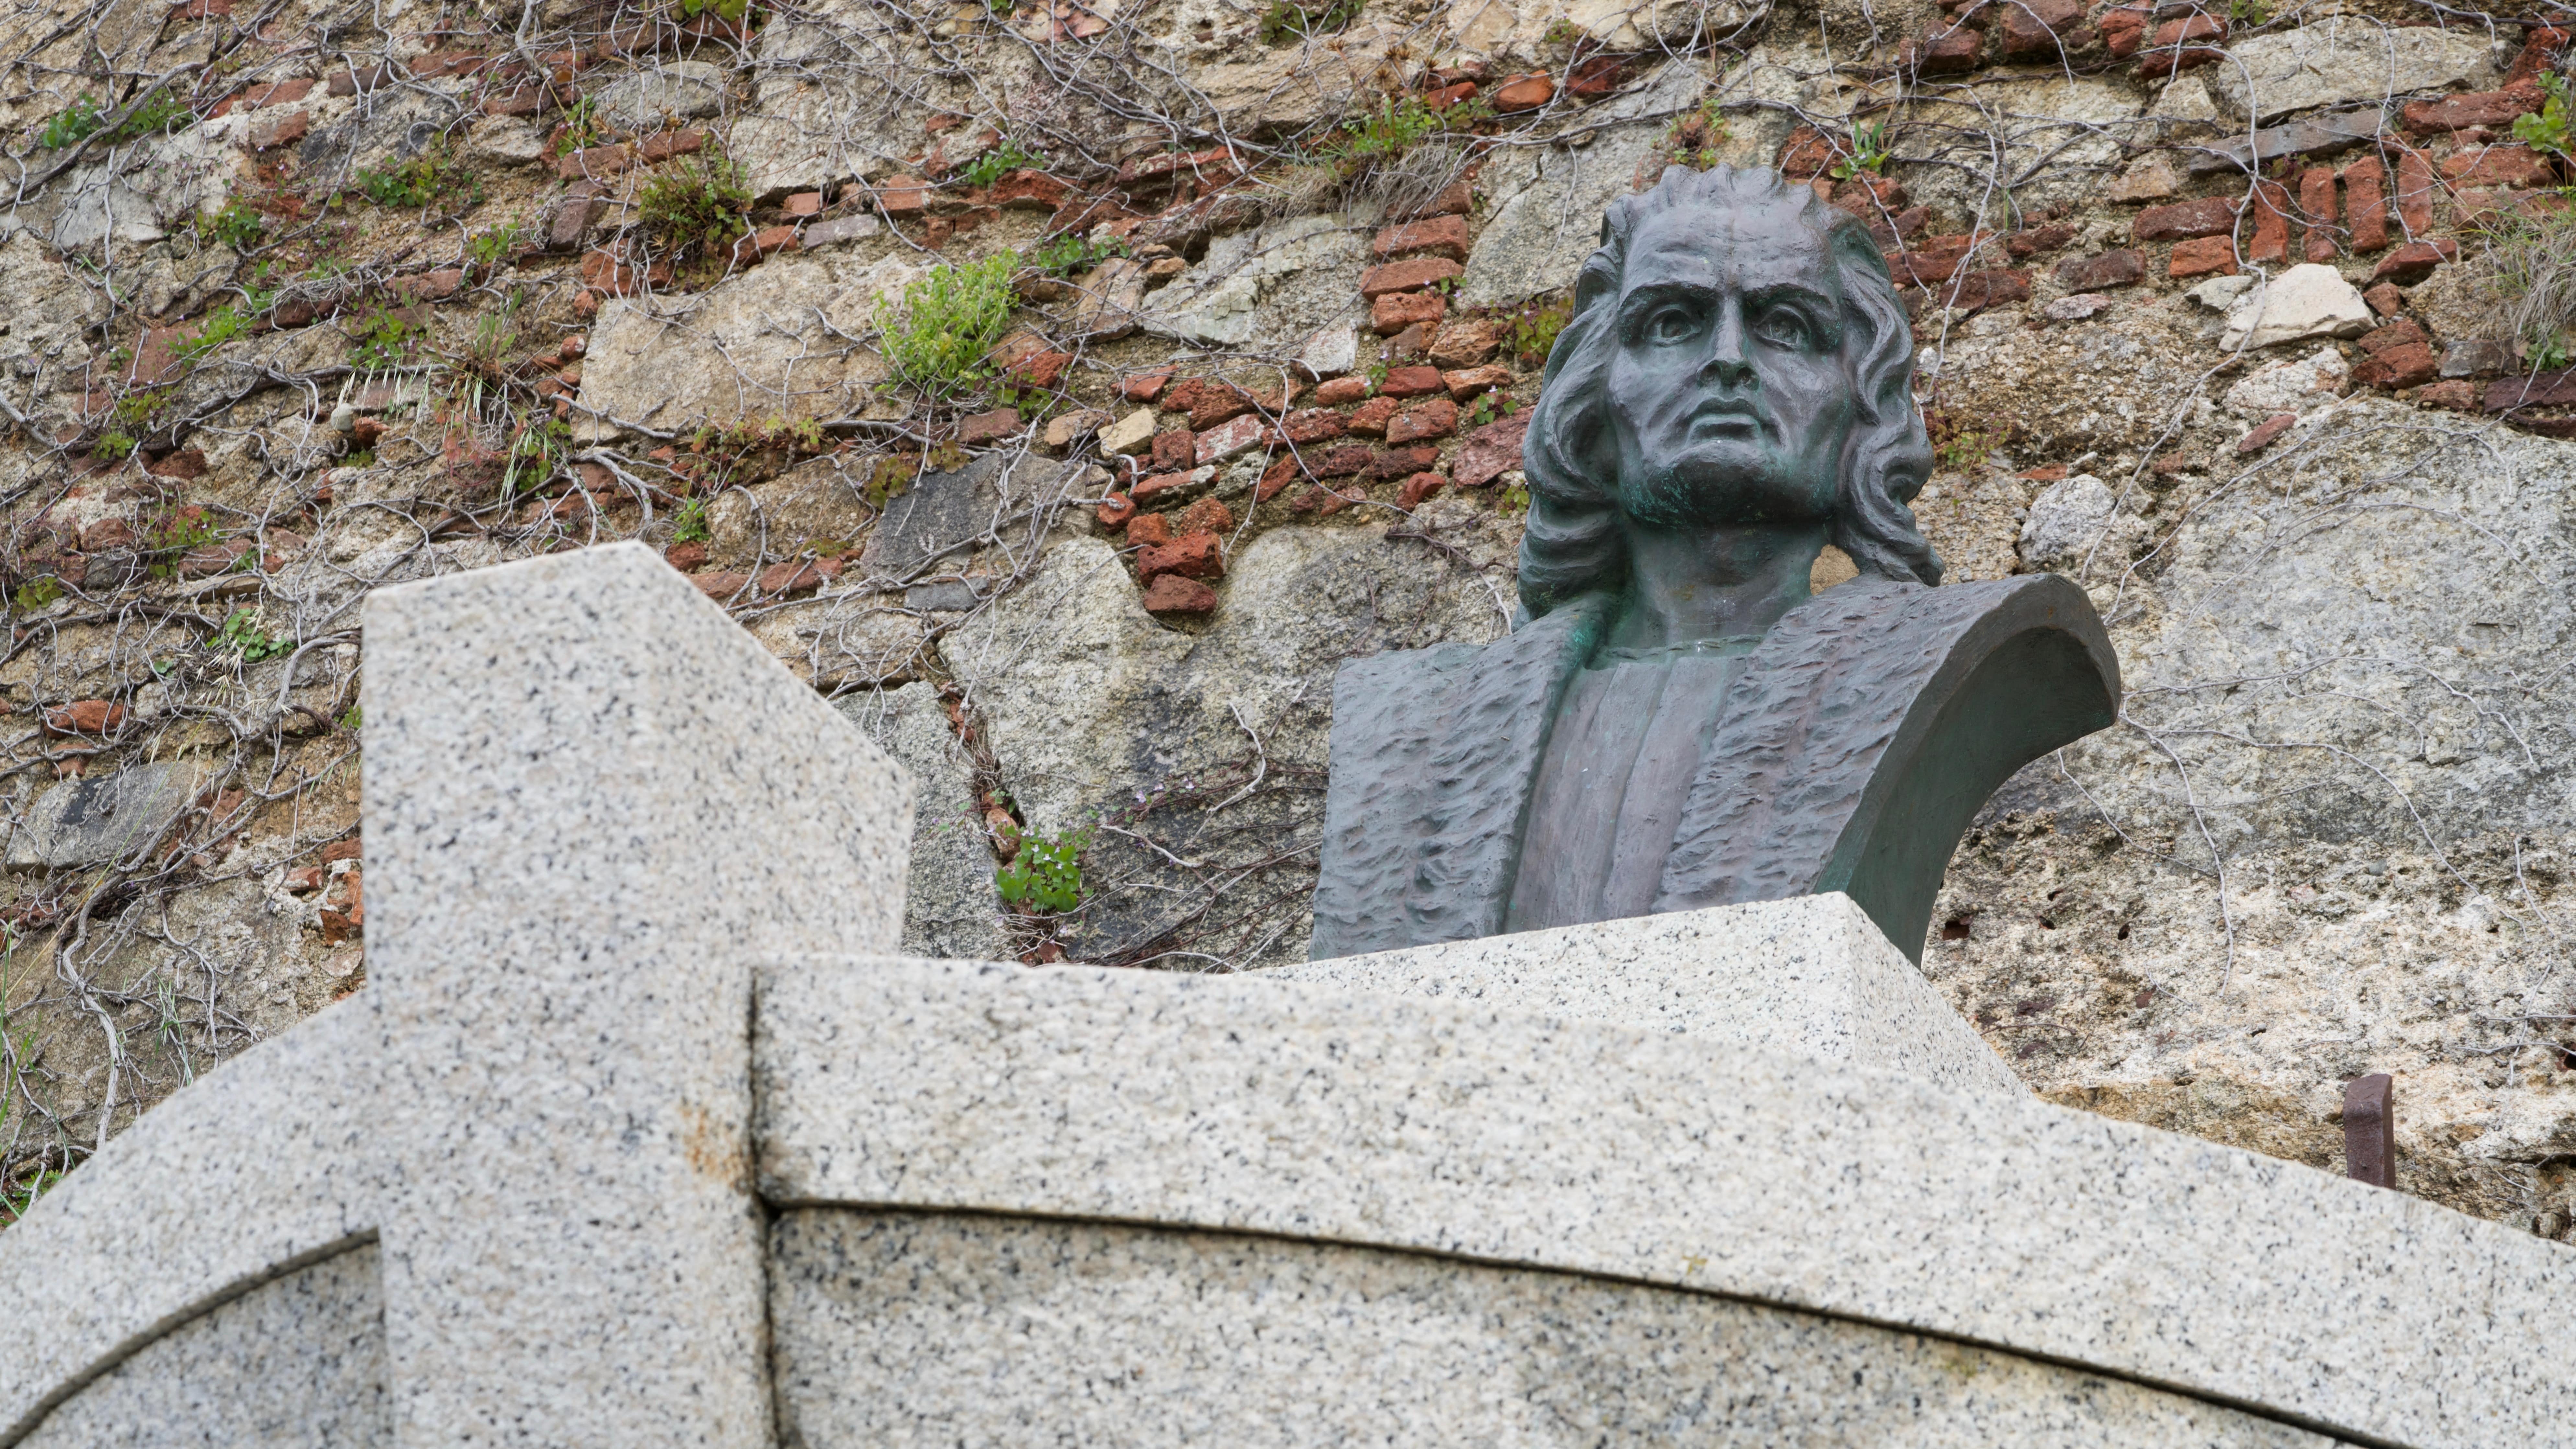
x=1665 y=1158
x=900 y=1330
x=296 y=1363
x=1811 y=974
x=591 y=801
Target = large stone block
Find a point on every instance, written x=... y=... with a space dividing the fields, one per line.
x=1812 y=975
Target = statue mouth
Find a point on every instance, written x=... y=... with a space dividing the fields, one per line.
x=1725 y=420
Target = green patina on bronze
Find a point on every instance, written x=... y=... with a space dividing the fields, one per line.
x=1675 y=722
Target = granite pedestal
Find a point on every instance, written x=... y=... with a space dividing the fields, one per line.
x=636 y=1138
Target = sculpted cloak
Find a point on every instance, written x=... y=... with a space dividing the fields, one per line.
x=1866 y=729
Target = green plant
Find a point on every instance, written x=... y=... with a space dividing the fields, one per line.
x=1530 y=334
x=416 y=182
x=1961 y=445
x=352 y=721
x=1045 y=874
x=237 y=226
x=82 y=118
x=1868 y=152
x=1001 y=160
x=385 y=340
x=697 y=204
x=2547 y=129
x=1288 y=20
x=1512 y=501
x=171 y=537
x=36 y=594
x=2549 y=354
x=115 y=443
x=1697 y=135
x=242 y=635
x=690 y=524
x=491 y=248
x=937 y=338
x=537 y=453
x=1392 y=129
x=2245 y=14
x=1065 y=255
x=581 y=126
x=724 y=9
x=221 y=325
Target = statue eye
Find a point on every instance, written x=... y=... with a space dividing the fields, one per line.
x=1672 y=324
x=1782 y=327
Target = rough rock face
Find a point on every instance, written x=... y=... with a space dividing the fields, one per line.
x=2235 y=322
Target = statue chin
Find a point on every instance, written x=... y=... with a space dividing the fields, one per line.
x=1720 y=485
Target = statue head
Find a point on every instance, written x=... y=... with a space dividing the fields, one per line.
x=1736 y=356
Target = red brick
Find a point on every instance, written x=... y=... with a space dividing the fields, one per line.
x=1041 y=369
x=84 y=717
x=1030 y=191
x=1404 y=462
x=1435 y=419
x=2400 y=333
x=1411 y=382
x=1525 y=94
x=1207 y=515
x=1447 y=96
x=1396 y=311
x=2123 y=31
x=592 y=161
x=2413 y=262
x=991 y=427
x=1994 y=287
x=664 y=145
x=2459 y=395
x=1192 y=556
x=2271 y=239
x=1115 y=510
x=2116 y=268
x=1954 y=51
x=2171 y=49
x=278 y=94
x=1342 y=390
x=686 y=557
x=2031 y=27
x=1491 y=451
x=1467 y=382
x=1175 y=449
x=2496 y=109
x=720 y=587
x=1313 y=425
x=805 y=204
x=2204 y=256
x=2365 y=203
x=1173 y=594
x=1455 y=199
x=2183 y=220
x=1242 y=435
x=2498 y=166
x=2415 y=192
x=2317 y=208
x=1343 y=462
x=184 y=464
x=1144 y=387
x=1419 y=487
x=904 y=196
x=2406 y=365
x=2385 y=299
x=107 y=534
x=2031 y=241
x=1442 y=235
x=797 y=576
x=435 y=286
x=2265 y=431
x=1465 y=344
x=1406 y=276
x=285 y=130
x=1370 y=418
x=1150 y=530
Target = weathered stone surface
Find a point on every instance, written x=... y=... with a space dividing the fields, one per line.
x=725 y=356
x=1291 y=287
x=1546 y=203
x=2341 y=60
x=1316 y=78
x=98 y=819
x=298 y=1363
x=687 y=89
x=2291 y=385
x=2068 y=521
x=2308 y=300
x=950 y=907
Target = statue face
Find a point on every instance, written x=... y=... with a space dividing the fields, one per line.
x=1728 y=390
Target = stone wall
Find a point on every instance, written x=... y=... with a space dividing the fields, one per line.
x=404 y=292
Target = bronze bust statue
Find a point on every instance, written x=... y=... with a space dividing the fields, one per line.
x=1675 y=721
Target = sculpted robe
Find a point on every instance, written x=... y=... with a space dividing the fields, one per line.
x=1856 y=742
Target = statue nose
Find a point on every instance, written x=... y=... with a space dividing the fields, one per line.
x=1727 y=366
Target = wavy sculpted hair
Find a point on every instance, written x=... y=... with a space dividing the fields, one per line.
x=1574 y=543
